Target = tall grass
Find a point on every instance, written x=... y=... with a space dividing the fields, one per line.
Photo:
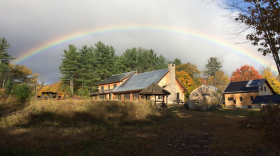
x=66 y=113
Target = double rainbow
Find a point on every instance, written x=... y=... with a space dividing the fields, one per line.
x=125 y=28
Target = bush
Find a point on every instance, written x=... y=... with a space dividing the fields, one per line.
x=21 y=92
x=86 y=93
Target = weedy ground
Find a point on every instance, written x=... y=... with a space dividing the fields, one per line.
x=85 y=127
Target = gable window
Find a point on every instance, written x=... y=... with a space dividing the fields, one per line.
x=230 y=99
x=252 y=98
x=240 y=98
x=102 y=87
x=261 y=88
x=265 y=89
x=115 y=85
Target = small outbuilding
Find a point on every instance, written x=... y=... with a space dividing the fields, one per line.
x=204 y=93
x=155 y=90
x=47 y=95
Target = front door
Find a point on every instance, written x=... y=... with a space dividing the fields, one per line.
x=234 y=101
x=110 y=96
x=178 y=96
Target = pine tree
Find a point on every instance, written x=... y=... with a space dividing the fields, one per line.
x=105 y=60
x=87 y=61
x=213 y=66
x=70 y=66
x=4 y=60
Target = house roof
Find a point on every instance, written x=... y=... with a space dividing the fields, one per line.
x=154 y=89
x=265 y=99
x=141 y=81
x=246 y=86
x=117 y=78
x=212 y=87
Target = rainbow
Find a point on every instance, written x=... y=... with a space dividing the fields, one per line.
x=110 y=29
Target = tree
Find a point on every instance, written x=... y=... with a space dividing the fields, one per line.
x=245 y=73
x=22 y=74
x=4 y=60
x=193 y=72
x=87 y=64
x=213 y=65
x=272 y=79
x=176 y=61
x=259 y=21
x=21 y=92
x=105 y=60
x=220 y=80
x=186 y=80
x=69 y=66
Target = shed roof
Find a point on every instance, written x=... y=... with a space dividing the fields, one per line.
x=141 y=81
x=154 y=89
x=117 y=78
x=212 y=87
x=265 y=99
x=246 y=86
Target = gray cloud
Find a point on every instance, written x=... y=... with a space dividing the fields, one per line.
x=27 y=24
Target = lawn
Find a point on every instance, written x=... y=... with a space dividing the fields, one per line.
x=114 y=128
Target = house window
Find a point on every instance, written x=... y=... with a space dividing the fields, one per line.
x=265 y=89
x=205 y=95
x=115 y=85
x=252 y=98
x=230 y=99
x=261 y=88
x=102 y=87
x=109 y=87
x=196 y=94
x=119 y=96
x=240 y=98
x=126 y=96
x=102 y=96
x=160 y=97
x=135 y=96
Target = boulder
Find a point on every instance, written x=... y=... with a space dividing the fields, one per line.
x=191 y=104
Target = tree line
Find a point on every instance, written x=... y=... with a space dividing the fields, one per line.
x=84 y=68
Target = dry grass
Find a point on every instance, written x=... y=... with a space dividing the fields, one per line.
x=114 y=128
x=67 y=113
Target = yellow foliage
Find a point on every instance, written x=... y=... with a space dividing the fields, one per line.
x=272 y=79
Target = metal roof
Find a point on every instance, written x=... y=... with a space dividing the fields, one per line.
x=141 y=81
x=266 y=99
x=118 y=77
x=212 y=87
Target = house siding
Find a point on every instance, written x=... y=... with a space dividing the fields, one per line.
x=246 y=99
x=267 y=92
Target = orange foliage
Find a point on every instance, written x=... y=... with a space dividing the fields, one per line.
x=203 y=81
x=186 y=80
x=55 y=87
x=245 y=73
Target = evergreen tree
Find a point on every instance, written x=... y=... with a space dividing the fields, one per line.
x=105 y=60
x=4 y=61
x=213 y=65
x=69 y=66
x=176 y=61
x=88 y=75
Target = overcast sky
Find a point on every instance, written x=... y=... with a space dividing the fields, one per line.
x=30 y=23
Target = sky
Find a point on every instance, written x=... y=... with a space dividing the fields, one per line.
x=192 y=31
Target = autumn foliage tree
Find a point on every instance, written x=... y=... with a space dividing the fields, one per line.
x=192 y=71
x=272 y=79
x=186 y=80
x=246 y=72
x=54 y=87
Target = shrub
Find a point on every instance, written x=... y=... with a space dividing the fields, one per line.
x=21 y=92
x=86 y=93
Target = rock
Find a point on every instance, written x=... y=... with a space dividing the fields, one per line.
x=186 y=106
x=191 y=104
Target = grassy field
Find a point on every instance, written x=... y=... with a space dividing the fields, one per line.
x=114 y=128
